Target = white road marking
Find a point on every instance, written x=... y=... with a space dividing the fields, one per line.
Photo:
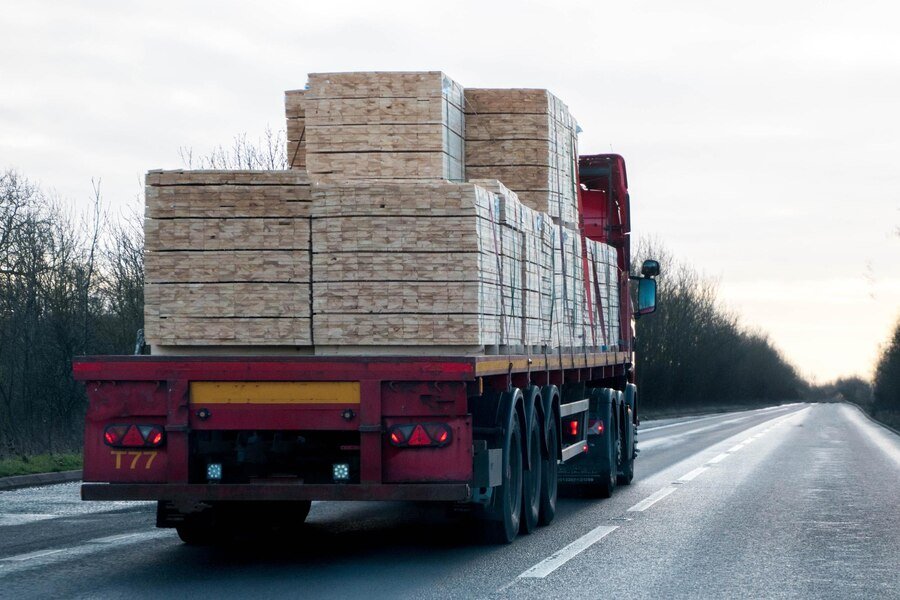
x=555 y=561
x=880 y=437
x=652 y=499
x=699 y=419
x=727 y=422
x=668 y=440
x=33 y=555
x=23 y=518
x=28 y=505
x=718 y=458
x=692 y=474
x=44 y=558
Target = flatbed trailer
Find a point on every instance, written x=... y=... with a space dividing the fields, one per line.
x=221 y=441
x=351 y=411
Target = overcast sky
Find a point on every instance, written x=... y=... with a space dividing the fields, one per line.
x=762 y=138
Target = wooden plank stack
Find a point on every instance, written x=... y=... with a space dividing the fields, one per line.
x=384 y=126
x=400 y=263
x=527 y=139
x=558 y=308
x=226 y=258
x=295 y=116
x=373 y=241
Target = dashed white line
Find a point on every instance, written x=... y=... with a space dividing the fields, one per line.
x=700 y=419
x=690 y=476
x=652 y=499
x=718 y=458
x=33 y=555
x=558 y=559
x=43 y=558
x=555 y=561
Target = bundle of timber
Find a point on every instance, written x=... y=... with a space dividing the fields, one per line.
x=396 y=263
x=373 y=241
x=561 y=308
x=381 y=125
x=443 y=264
x=226 y=258
x=527 y=139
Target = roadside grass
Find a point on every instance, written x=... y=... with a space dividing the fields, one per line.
x=40 y=463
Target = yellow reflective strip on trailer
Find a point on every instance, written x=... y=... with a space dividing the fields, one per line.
x=275 y=392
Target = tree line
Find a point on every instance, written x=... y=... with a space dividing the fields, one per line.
x=69 y=285
x=694 y=353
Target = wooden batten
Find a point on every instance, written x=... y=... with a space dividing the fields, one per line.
x=295 y=115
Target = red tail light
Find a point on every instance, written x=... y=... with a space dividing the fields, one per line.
x=439 y=433
x=114 y=434
x=573 y=428
x=134 y=436
x=420 y=435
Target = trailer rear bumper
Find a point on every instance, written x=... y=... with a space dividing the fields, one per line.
x=186 y=492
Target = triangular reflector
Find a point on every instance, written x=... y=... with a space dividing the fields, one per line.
x=419 y=437
x=133 y=437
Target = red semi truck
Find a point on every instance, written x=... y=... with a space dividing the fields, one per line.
x=224 y=441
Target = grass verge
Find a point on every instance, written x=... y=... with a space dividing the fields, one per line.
x=40 y=463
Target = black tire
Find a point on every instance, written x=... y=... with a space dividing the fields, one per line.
x=605 y=483
x=505 y=512
x=280 y=515
x=196 y=533
x=550 y=475
x=531 y=481
x=626 y=468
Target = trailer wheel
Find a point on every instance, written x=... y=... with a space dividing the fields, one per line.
x=505 y=512
x=607 y=473
x=279 y=515
x=607 y=482
x=531 y=485
x=549 y=475
x=626 y=470
x=195 y=532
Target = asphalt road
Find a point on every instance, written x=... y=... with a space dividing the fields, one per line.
x=799 y=501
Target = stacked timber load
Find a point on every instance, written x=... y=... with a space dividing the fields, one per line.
x=226 y=258
x=373 y=242
x=442 y=264
x=526 y=138
x=383 y=126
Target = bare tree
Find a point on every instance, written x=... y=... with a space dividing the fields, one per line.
x=68 y=284
x=268 y=152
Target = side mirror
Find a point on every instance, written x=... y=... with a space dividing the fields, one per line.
x=650 y=268
x=646 y=295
